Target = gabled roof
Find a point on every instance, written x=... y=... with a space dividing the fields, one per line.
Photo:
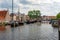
x=3 y=14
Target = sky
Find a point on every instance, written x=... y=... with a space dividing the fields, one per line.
x=46 y=7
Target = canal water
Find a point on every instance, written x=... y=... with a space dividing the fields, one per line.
x=30 y=32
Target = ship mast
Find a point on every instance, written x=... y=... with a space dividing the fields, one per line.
x=18 y=13
x=12 y=10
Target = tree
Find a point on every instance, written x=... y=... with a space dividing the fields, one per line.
x=30 y=14
x=38 y=13
x=34 y=14
x=58 y=15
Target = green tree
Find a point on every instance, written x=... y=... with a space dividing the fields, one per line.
x=38 y=13
x=34 y=13
x=58 y=15
x=30 y=14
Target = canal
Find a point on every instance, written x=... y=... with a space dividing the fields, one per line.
x=30 y=32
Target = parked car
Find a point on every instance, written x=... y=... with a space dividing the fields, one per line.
x=54 y=23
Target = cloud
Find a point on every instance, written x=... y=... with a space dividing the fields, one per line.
x=39 y=1
x=1 y=1
x=47 y=7
x=56 y=0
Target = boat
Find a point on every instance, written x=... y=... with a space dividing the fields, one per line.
x=14 y=23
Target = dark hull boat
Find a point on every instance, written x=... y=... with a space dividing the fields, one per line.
x=33 y=21
x=21 y=23
x=27 y=22
x=14 y=24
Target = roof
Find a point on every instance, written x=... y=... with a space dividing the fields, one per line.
x=3 y=14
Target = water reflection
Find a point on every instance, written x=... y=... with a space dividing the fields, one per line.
x=2 y=28
x=30 y=32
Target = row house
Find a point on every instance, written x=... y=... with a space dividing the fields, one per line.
x=4 y=16
x=48 y=17
x=20 y=17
